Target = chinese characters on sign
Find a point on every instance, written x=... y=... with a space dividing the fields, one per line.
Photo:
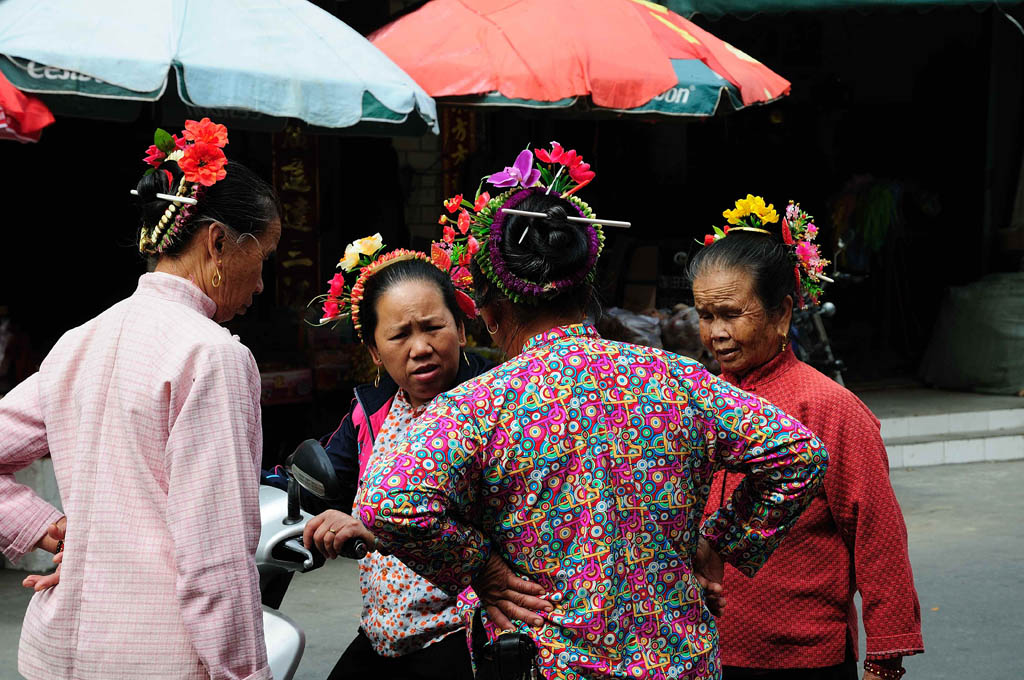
x=296 y=180
x=458 y=140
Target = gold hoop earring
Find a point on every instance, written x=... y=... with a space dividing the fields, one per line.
x=494 y=331
x=376 y=381
x=785 y=344
x=217 y=279
x=465 y=358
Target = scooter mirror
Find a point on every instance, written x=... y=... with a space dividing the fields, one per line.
x=310 y=466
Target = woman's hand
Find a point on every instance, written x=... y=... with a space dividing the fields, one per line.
x=506 y=596
x=331 y=529
x=709 y=569
x=51 y=542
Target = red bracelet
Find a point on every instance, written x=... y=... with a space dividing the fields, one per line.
x=883 y=672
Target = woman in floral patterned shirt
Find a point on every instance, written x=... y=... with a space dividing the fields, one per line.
x=413 y=328
x=585 y=464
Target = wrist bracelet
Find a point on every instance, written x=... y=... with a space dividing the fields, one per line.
x=883 y=672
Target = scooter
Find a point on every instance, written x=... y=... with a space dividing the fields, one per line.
x=281 y=554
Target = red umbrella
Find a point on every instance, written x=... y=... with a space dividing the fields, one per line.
x=22 y=116
x=619 y=52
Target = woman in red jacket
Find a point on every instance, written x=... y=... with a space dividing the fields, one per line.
x=796 y=618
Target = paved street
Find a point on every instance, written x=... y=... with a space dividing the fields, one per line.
x=966 y=526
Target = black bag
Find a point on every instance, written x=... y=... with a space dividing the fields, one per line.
x=513 y=656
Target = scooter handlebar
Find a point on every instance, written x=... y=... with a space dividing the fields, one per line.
x=354 y=549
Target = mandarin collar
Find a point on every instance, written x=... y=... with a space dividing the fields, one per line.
x=576 y=330
x=768 y=372
x=176 y=289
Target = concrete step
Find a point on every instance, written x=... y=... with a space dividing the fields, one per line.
x=932 y=427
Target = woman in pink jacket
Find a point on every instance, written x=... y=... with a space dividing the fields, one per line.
x=151 y=414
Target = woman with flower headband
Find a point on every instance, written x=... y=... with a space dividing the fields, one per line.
x=151 y=413
x=410 y=316
x=797 y=618
x=584 y=464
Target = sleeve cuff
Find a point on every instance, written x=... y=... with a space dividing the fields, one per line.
x=891 y=646
x=261 y=674
x=34 y=528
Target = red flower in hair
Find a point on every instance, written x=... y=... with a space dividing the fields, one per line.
x=453 y=203
x=154 y=156
x=337 y=285
x=466 y=304
x=180 y=142
x=206 y=131
x=204 y=163
x=331 y=308
x=481 y=201
x=449 y=234
x=441 y=257
x=472 y=246
x=581 y=172
x=553 y=156
x=463 y=221
x=709 y=239
x=462 y=278
x=787 y=235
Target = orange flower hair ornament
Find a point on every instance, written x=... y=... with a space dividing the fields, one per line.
x=200 y=156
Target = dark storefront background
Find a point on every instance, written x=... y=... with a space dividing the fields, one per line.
x=924 y=106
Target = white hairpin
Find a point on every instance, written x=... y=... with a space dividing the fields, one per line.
x=584 y=220
x=169 y=197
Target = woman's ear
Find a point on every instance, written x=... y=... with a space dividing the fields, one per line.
x=374 y=354
x=785 y=316
x=462 y=332
x=215 y=235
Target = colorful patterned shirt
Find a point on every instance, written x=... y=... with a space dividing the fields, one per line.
x=402 y=612
x=586 y=464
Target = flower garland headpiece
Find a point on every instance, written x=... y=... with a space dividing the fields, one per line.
x=368 y=257
x=200 y=156
x=477 y=233
x=798 y=231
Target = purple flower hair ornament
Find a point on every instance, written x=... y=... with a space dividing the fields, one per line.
x=521 y=172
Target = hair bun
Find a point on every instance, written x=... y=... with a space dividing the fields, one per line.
x=543 y=250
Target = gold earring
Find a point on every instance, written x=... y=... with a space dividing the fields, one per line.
x=494 y=331
x=785 y=344
x=217 y=278
x=465 y=358
x=376 y=381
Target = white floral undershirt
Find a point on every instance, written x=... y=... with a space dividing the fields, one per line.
x=402 y=612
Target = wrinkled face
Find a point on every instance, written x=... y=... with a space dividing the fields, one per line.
x=417 y=340
x=734 y=325
x=242 y=271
